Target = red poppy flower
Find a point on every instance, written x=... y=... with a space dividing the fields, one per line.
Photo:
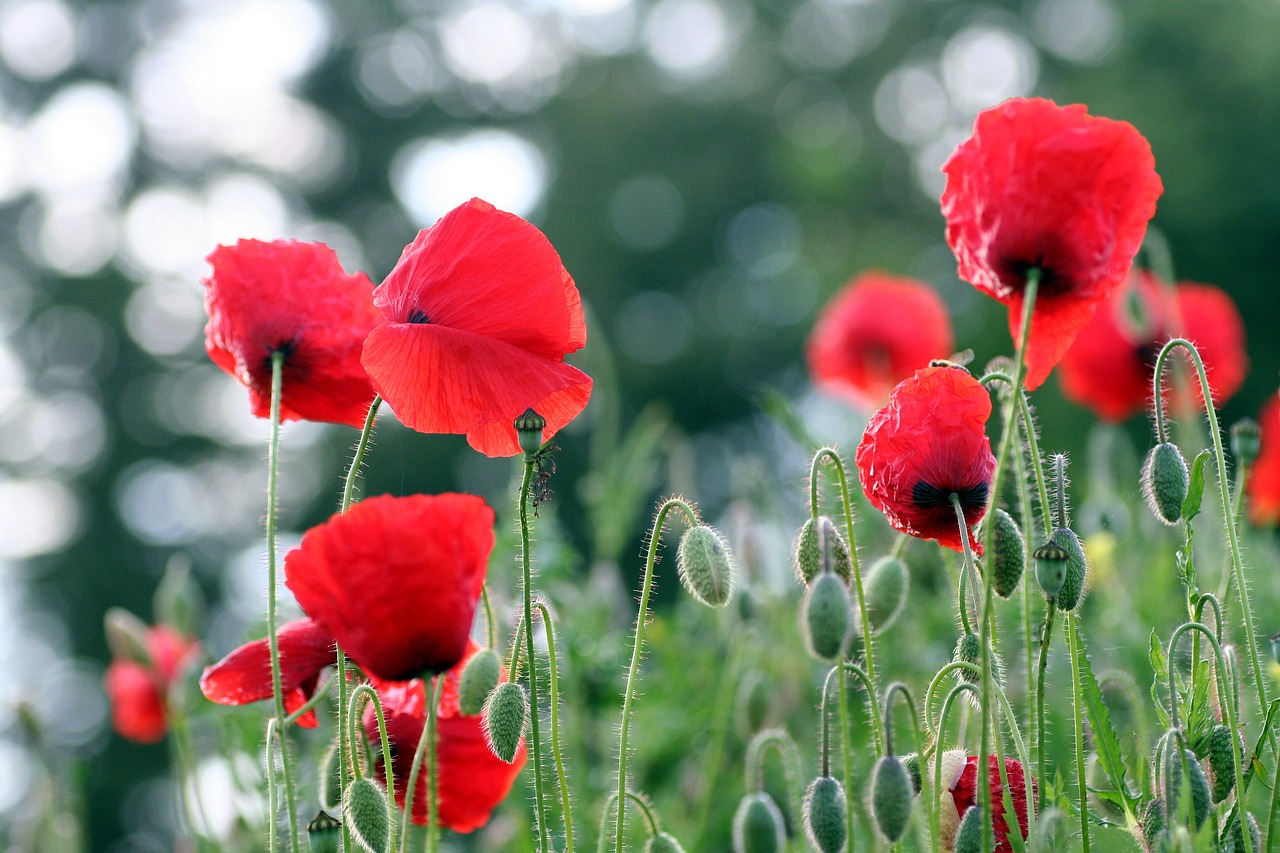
x=294 y=298
x=928 y=442
x=960 y=775
x=473 y=781
x=396 y=580
x=479 y=315
x=1039 y=185
x=244 y=676
x=138 y=691
x=878 y=330
x=1264 y=475
x=1110 y=364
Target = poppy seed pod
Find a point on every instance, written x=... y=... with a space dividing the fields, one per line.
x=758 y=825
x=1008 y=554
x=1164 y=482
x=529 y=427
x=505 y=715
x=367 y=813
x=1051 y=568
x=885 y=588
x=705 y=566
x=809 y=557
x=1072 y=592
x=824 y=815
x=324 y=834
x=1246 y=440
x=662 y=843
x=479 y=677
x=826 y=618
x=892 y=793
x=969 y=833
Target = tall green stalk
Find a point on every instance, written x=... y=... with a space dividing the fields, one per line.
x=535 y=724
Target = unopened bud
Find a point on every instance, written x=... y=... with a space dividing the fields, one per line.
x=968 y=650
x=324 y=834
x=1222 y=764
x=911 y=761
x=1008 y=554
x=1233 y=839
x=824 y=815
x=479 y=678
x=1169 y=764
x=330 y=787
x=504 y=718
x=1152 y=824
x=758 y=825
x=529 y=427
x=885 y=587
x=126 y=636
x=969 y=833
x=706 y=569
x=367 y=814
x=662 y=843
x=819 y=545
x=1246 y=440
x=178 y=601
x=1072 y=592
x=1165 y=481
x=892 y=794
x=826 y=618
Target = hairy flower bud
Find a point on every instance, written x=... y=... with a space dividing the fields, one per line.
x=1165 y=482
x=758 y=825
x=1246 y=440
x=911 y=761
x=1008 y=554
x=1169 y=764
x=819 y=545
x=1233 y=839
x=824 y=815
x=504 y=719
x=330 y=787
x=885 y=587
x=826 y=618
x=367 y=813
x=969 y=833
x=706 y=569
x=1072 y=591
x=892 y=794
x=478 y=679
x=662 y=843
x=1152 y=824
x=1222 y=765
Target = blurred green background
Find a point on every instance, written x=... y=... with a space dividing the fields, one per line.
x=710 y=170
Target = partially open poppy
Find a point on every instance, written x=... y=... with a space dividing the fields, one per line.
x=244 y=676
x=960 y=776
x=473 y=781
x=1109 y=366
x=138 y=691
x=291 y=297
x=396 y=580
x=1054 y=188
x=1264 y=475
x=878 y=330
x=479 y=315
x=929 y=442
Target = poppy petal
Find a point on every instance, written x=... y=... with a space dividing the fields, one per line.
x=244 y=675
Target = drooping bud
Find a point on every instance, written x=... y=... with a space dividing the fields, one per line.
x=324 y=834
x=1165 y=481
x=330 y=787
x=892 y=794
x=1008 y=554
x=706 y=569
x=758 y=825
x=1246 y=440
x=751 y=705
x=368 y=815
x=816 y=534
x=969 y=833
x=479 y=678
x=1222 y=765
x=885 y=586
x=1051 y=568
x=824 y=815
x=911 y=761
x=126 y=636
x=662 y=843
x=504 y=718
x=1072 y=591
x=826 y=618
x=529 y=427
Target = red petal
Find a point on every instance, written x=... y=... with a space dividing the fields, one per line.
x=245 y=675
x=137 y=707
x=1264 y=475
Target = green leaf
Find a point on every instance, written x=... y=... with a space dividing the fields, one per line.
x=1155 y=654
x=1195 y=488
x=1105 y=739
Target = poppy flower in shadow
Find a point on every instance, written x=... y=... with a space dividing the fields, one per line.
x=472 y=780
x=138 y=690
x=928 y=443
x=878 y=330
x=244 y=676
x=960 y=776
x=1109 y=366
x=1264 y=475
x=479 y=314
x=396 y=580
x=1052 y=188
x=292 y=298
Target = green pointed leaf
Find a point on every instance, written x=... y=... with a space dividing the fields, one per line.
x=1105 y=739
x=1195 y=487
x=1155 y=654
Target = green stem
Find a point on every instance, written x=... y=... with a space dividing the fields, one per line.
x=647 y=810
x=534 y=716
x=353 y=723
x=555 y=726
x=1046 y=638
x=269 y=765
x=1074 y=642
x=433 y=781
x=186 y=770
x=315 y=699
x=935 y=814
x=845 y=746
x=357 y=458
x=490 y=630
x=721 y=711
x=967 y=570
x=691 y=518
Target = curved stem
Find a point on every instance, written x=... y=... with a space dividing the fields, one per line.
x=967 y=570
x=490 y=630
x=534 y=716
x=776 y=740
x=645 y=808
x=554 y=699
x=935 y=814
x=357 y=458
x=355 y=712
x=691 y=518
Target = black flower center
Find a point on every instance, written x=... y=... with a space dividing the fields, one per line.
x=928 y=496
x=417 y=315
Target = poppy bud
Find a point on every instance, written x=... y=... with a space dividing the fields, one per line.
x=706 y=569
x=892 y=792
x=817 y=534
x=911 y=761
x=504 y=718
x=1164 y=482
x=826 y=618
x=969 y=833
x=1233 y=839
x=1222 y=765
x=330 y=787
x=1008 y=554
x=126 y=636
x=885 y=587
x=1168 y=774
x=758 y=825
x=1151 y=823
x=324 y=833
x=477 y=681
x=1051 y=568
x=1246 y=440
x=368 y=815
x=1072 y=592
x=529 y=427
x=824 y=815
x=663 y=843
x=968 y=650
x=178 y=601
x=751 y=704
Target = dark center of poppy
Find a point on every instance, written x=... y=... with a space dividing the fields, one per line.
x=928 y=496
x=1148 y=352
x=417 y=315
x=285 y=349
x=1049 y=280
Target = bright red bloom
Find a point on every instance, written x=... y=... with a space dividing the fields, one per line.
x=960 y=774
x=1109 y=366
x=479 y=315
x=244 y=676
x=878 y=330
x=1264 y=474
x=1039 y=185
x=294 y=298
x=396 y=580
x=473 y=781
x=928 y=442
x=138 y=691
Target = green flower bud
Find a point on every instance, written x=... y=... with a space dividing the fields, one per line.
x=504 y=718
x=752 y=704
x=1165 y=481
x=706 y=569
x=479 y=678
x=758 y=825
x=1222 y=765
x=824 y=815
x=885 y=587
x=969 y=833
x=968 y=650
x=1008 y=554
x=892 y=794
x=529 y=427
x=1169 y=780
x=1152 y=824
x=1072 y=592
x=330 y=787
x=126 y=636
x=324 y=834
x=662 y=843
x=911 y=761
x=1233 y=839
x=1051 y=568
x=1246 y=440
x=809 y=554
x=826 y=618
x=368 y=815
